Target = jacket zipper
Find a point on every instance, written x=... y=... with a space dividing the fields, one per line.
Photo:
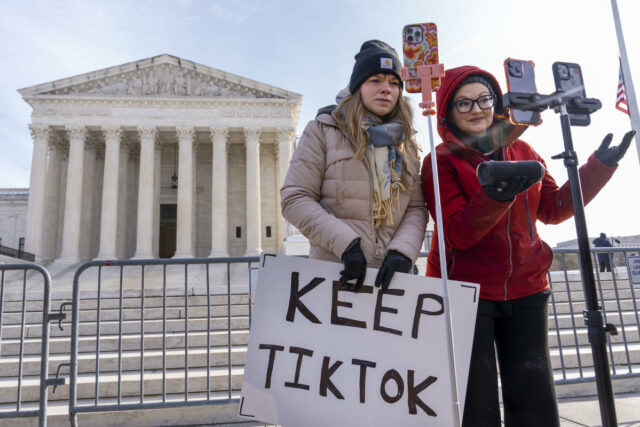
x=378 y=253
x=510 y=254
x=526 y=206
x=453 y=260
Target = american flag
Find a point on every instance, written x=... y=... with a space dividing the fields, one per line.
x=621 y=99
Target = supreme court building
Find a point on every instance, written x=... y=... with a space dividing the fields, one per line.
x=160 y=157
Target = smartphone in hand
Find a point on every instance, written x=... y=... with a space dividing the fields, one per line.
x=568 y=78
x=521 y=78
x=420 y=47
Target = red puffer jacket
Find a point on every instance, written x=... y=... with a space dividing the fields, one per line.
x=487 y=241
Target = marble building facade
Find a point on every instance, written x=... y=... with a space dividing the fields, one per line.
x=13 y=216
x=160 y=157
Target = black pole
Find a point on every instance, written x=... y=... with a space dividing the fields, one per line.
x=593 y=316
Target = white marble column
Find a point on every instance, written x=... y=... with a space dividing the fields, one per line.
x=123 y=198
x=73 y=197
x=37 y=184
x=146 y=192
x=109 y=216
x=157 y=172
x=194 y=192
x=88 y=179
x=219 y=215
x=52 y=202
x=184 y=237
x=285 y=145
x=254 y=224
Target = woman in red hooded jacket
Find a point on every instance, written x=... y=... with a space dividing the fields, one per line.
x=491 y=239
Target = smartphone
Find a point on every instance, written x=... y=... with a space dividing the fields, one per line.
x=568 y=78
x=420 y=47
x=521 y=78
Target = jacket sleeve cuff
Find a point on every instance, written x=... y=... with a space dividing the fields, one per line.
x=600 y=167
x=341 y=244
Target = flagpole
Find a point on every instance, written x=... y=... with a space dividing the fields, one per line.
x=626 y=76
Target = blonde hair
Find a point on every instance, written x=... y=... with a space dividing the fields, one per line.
x=350 y=113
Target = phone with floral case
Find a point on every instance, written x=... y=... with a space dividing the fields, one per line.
x=420 y=47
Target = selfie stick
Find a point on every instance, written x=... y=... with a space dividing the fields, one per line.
x=426 y=73
x=596 y=329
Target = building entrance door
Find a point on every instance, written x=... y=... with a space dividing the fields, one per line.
x=168 y=227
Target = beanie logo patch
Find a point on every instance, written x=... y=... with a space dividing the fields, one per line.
x=386 y=63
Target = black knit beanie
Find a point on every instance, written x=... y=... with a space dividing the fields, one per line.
x=375 y=57
x=477 y=78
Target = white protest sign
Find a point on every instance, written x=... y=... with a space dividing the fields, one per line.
x=633 y=262
x=319 y=355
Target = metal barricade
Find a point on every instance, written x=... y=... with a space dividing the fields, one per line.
x=143 y=331
x=14 y=299
x=17 y=253
x=164 y=333
x=619 y=301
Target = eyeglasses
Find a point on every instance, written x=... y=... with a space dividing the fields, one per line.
x=464 y=105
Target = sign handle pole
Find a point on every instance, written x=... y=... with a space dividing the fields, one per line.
x=426 y=73
x=443 y=270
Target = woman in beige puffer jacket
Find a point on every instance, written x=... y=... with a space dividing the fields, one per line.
x=353 y=185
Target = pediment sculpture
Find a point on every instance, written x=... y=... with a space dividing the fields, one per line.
x=162 y=80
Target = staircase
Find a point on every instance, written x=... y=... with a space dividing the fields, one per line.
x=568 y=340
x=215 y=358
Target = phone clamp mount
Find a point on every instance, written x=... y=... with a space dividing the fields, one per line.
x=558 y=101
x=425 y=73
x=537 y=102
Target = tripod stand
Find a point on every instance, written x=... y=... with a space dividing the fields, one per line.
x=596 y=329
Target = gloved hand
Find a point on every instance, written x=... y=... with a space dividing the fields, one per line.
x=610 y=156
x=506 y=191
x=393 y=261
x=502 y=180
x=355 y=265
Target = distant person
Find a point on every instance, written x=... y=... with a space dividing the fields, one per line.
x=353 y=185
x=603 y=257
x=491 y=238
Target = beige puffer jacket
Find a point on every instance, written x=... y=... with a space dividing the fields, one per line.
x=327 y=195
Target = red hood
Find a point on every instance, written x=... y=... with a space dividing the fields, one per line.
x=450 y=83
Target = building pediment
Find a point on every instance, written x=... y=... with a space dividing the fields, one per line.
x=159 y=76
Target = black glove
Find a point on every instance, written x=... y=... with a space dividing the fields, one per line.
x=355 y=266
x=393 y=261
x=502 y=180
x=610 y=156
x=507 y=190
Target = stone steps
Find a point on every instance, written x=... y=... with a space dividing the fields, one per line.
x=131 y=313
x=112 y=327
x=129 y=301
x=568 y=336
x=197 y=350
x=577 y=295
x=152 y=341
x=570 y=356
x=129 y=384
x=217 y=413
x=130 y=361
x=609 y=305
x=565 y=321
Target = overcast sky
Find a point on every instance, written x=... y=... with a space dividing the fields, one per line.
x=308 y=47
